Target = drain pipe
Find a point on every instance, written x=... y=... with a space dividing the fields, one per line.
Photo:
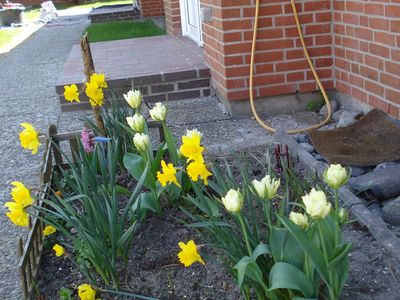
x=310 y=63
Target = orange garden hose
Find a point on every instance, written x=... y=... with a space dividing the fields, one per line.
x=253 y=47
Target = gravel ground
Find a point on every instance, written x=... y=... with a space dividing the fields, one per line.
x=28 y=76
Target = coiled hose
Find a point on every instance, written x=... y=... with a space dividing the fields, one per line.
x=253 y=47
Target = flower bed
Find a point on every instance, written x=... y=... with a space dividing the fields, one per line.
x=277 y=233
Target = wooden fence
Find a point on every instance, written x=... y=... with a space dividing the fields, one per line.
x=30 y=251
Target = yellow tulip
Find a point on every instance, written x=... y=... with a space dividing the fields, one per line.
x=299 y=219
x=336 y=176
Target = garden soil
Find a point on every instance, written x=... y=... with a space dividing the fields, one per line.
x=154 y=270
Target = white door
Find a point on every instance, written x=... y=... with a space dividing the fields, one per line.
x=191 y=22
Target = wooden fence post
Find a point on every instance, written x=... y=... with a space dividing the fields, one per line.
x=88 y=69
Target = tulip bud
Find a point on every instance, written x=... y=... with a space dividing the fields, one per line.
x=343 y=216
x=158 y=112
x=134 y=98
x=316 y=204
x=336 y=176
x=299 y=219
x=141 y=141
x=267 y=187
x=233 y=201
x=136 y=122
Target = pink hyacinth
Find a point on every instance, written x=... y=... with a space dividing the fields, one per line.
x=87 y=139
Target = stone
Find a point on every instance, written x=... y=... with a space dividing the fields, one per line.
x=391 y=212
x=308 y=147
x=302 y=138
x=347 y=118
x=324 y=110
x=386 y=164
x=318 y=156
x=357 y=171
x=383 y=183
x=336 y=115
x=376 y=209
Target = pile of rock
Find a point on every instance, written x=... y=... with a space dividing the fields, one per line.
x=381 y=181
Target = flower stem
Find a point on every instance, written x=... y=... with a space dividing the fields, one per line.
x=324 y=249
x=246 y=237
x=336 y=216
x=267 y=212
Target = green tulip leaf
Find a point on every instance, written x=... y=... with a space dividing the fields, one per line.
x=247 y=267
x=260 y=250
x=135 y=165
x=316 y=256
x=287 y=276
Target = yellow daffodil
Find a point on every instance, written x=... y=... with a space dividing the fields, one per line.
x=198 y=169
x=29 y=138
x=86 y=292
x=59 y=250
x=316 y=204
x=188 y=254
x=191 y=148
x=94 y=93
x=299 y=219
x=49 y=230
x=233 y=201
x=99 y=80
x=59 y=194
x=336 y=176
x=71 y=93
x=168 y=174
x=21 y=194
x=17 y=214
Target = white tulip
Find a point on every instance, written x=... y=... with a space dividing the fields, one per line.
x=299 y=219
x=336 y=176
x=141 y=141
x=134 y=98
x=316 y=204
x=136 y=122
x=267 y=187
x=233 y=201
x=158 y=112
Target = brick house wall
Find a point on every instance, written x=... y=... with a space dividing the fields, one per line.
x=152 y=8
x=367 y=52
x=280 y=65
x=173 y=17
x=354 y=44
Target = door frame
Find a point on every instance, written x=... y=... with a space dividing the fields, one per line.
x=184 y=23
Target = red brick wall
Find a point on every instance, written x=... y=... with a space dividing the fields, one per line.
x=367 y=52
x=172 y=17
x=152 y=8
x=280 y=66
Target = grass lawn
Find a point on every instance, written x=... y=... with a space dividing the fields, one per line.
x=32 y=14
x=118 y=30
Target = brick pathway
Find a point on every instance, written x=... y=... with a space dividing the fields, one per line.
x=165 y=67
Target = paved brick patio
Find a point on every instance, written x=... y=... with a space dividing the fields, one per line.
x=164 y=67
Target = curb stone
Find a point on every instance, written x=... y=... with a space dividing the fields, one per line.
x=376 y=226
